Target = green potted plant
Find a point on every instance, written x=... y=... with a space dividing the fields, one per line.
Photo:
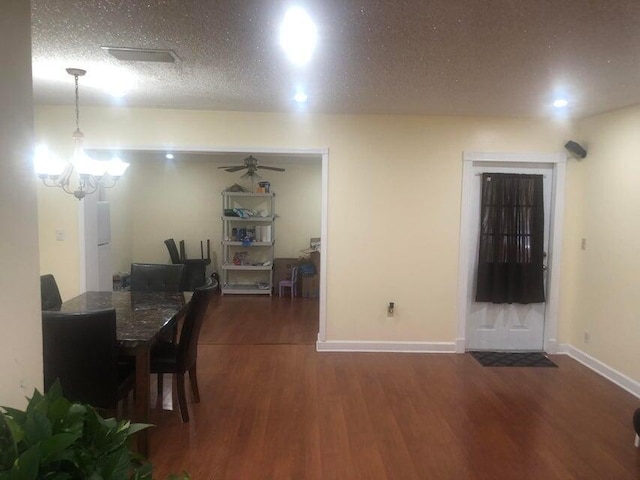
x=59 y=440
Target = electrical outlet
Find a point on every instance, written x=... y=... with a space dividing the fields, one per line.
x=587 y=337
x=60 y=235
x=391 y=309
x=583 y=244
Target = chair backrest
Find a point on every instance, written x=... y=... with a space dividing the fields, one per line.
x=173 y=250
x=151 y=277
x=80 y=349
x=49 y=293
x=294 y=275
x=196 y=311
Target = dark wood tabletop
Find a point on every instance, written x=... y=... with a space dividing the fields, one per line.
x=140 y=316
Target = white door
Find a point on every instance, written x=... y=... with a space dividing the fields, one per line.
x=504 y=326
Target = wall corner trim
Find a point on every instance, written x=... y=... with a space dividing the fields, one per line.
x=620 y=379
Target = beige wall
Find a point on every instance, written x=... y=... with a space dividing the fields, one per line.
x=59 y=211
x=394 y=197
x=605 y=210
x=182 y=200
x=21 y=337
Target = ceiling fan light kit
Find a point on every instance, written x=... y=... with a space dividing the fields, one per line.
x=251 y=166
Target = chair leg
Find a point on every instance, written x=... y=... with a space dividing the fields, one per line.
x=160 y=389
x=193 y=379
x=637 y=442
x=182 y=398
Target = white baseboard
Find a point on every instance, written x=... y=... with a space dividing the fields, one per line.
x=611 y=374
x=392 y=347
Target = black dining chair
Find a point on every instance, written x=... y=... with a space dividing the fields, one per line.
x=151 y=277
x=49 y=293
x=181 y=357
x=81 y=350
x=195 y=269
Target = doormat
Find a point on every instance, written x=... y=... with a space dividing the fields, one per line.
x=513 y=359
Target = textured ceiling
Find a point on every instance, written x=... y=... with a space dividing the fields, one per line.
x=469 y=57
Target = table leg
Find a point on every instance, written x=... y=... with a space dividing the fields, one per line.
x=141 y=406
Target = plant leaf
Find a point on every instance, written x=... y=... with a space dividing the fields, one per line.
x=8 y=442
x=35 y=399
x=55 y=391
x=115 y=466
x=26 y=465
x=58 y=410
x=53 y=446
x=142 y=472
x=18 y=415
x=14 y=428
x=74 y=419
x=37 y=427
x=137 y=427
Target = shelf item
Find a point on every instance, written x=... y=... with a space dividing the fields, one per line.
x=249 y=219
x=253 y=244
x=251 y=289
x=232 y=266
x=247 y=243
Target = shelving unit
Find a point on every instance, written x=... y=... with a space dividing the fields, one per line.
x=248 y=244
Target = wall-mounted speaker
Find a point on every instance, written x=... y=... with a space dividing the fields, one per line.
x=576 y=149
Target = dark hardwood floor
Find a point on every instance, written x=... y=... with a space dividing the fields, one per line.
x=246 y=320
x=274 y=408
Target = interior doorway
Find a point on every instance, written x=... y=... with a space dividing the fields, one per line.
x=496 y=327
x=222 y=156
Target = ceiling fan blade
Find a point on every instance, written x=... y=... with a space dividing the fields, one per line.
x=234 y=168
x=275 y=169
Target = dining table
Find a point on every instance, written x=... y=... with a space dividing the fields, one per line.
x=141 y=319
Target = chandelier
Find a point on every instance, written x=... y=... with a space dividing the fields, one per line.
x=82 y=175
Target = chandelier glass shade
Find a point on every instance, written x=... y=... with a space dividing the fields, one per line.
x=81 y=175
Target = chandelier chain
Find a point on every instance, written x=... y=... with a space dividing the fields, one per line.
x=77 y=104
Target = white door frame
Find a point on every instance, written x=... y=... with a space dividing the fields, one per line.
x=322 y=151
x=558 y=161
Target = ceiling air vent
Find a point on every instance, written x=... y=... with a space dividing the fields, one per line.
x=141 y=54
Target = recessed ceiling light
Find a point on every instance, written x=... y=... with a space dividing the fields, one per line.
x=169 y=156
x=298 y=35
x=141 y=54
x=118 y=92
x=300 y=97
x=560 y=103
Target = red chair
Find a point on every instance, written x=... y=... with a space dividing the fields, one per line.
x=291 y=283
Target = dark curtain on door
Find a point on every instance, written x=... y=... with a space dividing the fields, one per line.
x=511 y=239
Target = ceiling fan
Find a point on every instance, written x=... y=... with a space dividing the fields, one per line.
x=252 y=167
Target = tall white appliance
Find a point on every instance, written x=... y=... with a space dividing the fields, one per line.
x=104 y=270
